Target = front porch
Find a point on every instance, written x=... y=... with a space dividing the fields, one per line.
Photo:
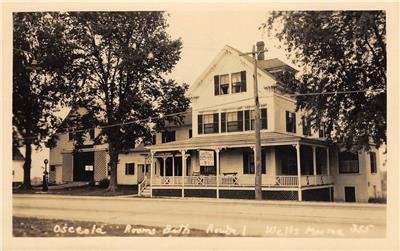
x=241 y=181
x=290 y=169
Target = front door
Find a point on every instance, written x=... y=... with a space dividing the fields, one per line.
x=350 y=194
x=83 y=166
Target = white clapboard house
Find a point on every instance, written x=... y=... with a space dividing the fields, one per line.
x=215 y=157
x=212 y=153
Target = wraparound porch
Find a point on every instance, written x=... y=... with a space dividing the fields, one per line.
x=241 y=181
x=290 y=164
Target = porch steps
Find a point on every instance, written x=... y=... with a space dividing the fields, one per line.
x=146 y=192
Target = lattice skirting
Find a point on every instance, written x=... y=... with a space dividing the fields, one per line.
x=321 y=194
x=227 y=194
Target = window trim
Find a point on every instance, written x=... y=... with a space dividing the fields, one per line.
x=225 y=84
x=306 y=125
x=164 y=136
x=288 y=116
x=215 y=124
x=242 y=84
x=132 y=164
x=340 y=166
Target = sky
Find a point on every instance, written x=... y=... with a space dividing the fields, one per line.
x=204 y=34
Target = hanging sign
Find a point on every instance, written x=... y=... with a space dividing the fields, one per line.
x=206 y=158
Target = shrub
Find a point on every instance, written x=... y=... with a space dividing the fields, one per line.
x=104 y=183
x=377 y=200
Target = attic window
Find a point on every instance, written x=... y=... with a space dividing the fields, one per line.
x=224 y=84
x=221 y=84
x=238 y=82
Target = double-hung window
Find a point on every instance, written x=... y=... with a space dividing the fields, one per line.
x=130 y=169
x=238 y=82
x=207 y=123
x=306 y=122
x=348 y=162
x=221 y=84
x=322 y=131
x=168 y=136
x=249 y=118
x=232 y=121
x=290 y=122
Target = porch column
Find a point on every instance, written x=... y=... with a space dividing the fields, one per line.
x=327 y=161
x=298 y=170
x=151 y=173
x=217 y=169
x=183 y=152
x=173 y=169
x=164 y=164
x=314 y=160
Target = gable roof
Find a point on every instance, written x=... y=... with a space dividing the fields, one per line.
x=274 y=63
x=262 y=65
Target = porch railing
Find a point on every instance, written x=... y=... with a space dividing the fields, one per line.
x=314 y=180
x=244 y=180
x=142 y=186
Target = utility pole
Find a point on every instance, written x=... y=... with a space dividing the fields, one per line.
x=257 y=54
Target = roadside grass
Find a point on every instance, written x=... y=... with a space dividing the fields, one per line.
x=86 y=190
x=34 y=227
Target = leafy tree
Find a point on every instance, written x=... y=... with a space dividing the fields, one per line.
x=124 y=60
x=40 y=79
x=338 y=51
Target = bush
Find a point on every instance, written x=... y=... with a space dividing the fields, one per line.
x=104 y=183
x=377 y=200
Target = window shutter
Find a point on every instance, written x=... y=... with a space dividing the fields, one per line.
x=288 y=129
x=264 y=118
x=200 y=124
x=245 y=163
x=216 y=85
x=216 y=122
x=243 y=80
x=240 y=120
x=223 y=122
x=294 y=122
x=246 y=120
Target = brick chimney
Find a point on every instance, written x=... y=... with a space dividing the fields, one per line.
x=260 y=47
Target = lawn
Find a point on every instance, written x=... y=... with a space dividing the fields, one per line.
x=34 y=227
x=82 y=191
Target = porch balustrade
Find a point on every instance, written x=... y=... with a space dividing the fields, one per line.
x=314 y=180
x=245 y=180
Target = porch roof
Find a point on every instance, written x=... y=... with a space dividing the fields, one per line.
x=235 y=140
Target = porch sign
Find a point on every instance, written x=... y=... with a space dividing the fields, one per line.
x=206 y=158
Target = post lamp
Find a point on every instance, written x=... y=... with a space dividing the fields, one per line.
x=45 y=186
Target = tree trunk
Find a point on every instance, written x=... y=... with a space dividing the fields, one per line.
x=113 y=153
x=27 y=167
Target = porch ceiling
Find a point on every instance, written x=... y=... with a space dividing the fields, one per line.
x=234 y=140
